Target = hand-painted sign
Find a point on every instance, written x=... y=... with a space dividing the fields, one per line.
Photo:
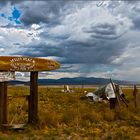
x=7 y=76
x=26 y=64
x=22 y=64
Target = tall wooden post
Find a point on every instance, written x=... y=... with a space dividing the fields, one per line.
x=3 y=103
x=135 y=91
x=33 y=98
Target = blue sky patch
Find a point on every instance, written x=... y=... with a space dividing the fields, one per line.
x=3 y=15
x=15 y=15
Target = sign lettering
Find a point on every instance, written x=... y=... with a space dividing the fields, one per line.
x=7 y=76
x=22 y=64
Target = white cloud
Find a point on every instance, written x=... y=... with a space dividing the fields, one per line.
x=12 y=38
x=53 y=58
x=57 y=75
x=6 y=10
x=89 y=16
x=35 y=26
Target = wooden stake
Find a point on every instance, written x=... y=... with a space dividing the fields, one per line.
x=135 y=95
x=33 y=98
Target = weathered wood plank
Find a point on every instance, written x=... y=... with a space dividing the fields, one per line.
x=26 y=64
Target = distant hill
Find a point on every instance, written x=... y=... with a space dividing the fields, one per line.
x=74 y=81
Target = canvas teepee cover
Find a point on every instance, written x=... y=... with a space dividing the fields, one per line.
x=107 y=91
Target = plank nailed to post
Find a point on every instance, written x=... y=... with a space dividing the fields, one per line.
x=33 y=98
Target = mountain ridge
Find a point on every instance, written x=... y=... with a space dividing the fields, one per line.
x=75 y=81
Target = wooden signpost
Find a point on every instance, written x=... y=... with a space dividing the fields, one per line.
x=26 y=64
x=10 y=64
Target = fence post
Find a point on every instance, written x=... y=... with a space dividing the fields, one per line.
x=135 y=95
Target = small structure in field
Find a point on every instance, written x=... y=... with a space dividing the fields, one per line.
x=67 y=89
x=8 y=66
x=111 y=92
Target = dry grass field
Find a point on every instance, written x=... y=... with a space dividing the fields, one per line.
x=63 y=116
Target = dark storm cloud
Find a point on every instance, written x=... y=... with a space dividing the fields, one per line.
x=40 y=50
x=73 y=52
x=101 y=52
x=103 y=47
x=103 y=31
x=42 y=11
x=136 y=17
x=4 y=2
x=16 y=44
x=56 y=37
x=136 y=22
x=52 y=12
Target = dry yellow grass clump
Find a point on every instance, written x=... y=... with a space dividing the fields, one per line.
x=63 y=116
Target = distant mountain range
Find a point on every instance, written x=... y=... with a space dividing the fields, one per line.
x=75 y=81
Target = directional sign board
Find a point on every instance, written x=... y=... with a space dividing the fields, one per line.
x=7 y=76
x=26 y=64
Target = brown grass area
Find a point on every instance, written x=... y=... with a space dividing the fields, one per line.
x=63 y=116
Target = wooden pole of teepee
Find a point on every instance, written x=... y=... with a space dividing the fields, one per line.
x=115 y=91
x=122 y=98
x=117 y=94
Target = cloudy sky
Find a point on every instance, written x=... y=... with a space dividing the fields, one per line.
x=89 y=38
